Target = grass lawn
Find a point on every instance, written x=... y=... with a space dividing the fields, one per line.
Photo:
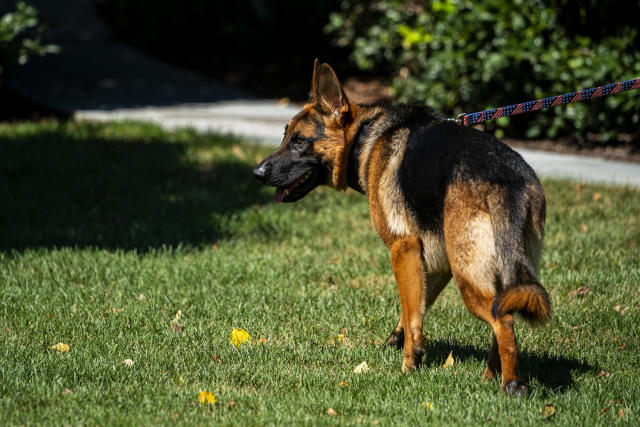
x=112 y=233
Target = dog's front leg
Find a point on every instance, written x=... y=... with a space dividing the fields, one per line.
x=406 y=260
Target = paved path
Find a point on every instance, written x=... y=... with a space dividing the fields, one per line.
x=97 y=77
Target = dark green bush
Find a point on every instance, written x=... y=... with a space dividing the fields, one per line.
x=467 y=56
x=20 y=36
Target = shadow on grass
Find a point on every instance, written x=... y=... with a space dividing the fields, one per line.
x=555 y=373
x=65 y=188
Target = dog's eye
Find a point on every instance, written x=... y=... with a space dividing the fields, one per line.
x=297 y=140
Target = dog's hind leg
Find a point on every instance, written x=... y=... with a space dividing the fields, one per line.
x=407 y=263
x=504 y=351
x=436 y=282
x=471 y=248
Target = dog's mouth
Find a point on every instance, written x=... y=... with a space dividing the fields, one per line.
x=298 y=188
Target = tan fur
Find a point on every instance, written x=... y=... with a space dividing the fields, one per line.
x=434 y=252
x=376 y=167
x=389 y=193
x=469 y=237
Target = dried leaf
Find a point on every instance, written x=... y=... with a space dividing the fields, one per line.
x=175 y=416
x=66 y=391
x=605 y=374
x=176 y=319
x=580 y=292
x=344 y=383
x=239 y=337
x=449 y=362
x=177 y=328
x=621 y=413
x=206 y=397
x=620 y=309
x=549 y=411
x=623 y=345
x=115 y=310
x=60 y=347
x=584 y=227
x=332 y=412
x=262 y=341
x=362 y=368
x=128 y=362
x=231 y=404
x=216 y=358
x=140 y=297
x=603 y=410
x=597 y=196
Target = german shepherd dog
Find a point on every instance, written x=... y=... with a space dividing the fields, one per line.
x=446 y=200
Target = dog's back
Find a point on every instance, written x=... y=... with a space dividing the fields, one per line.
x=432 y=167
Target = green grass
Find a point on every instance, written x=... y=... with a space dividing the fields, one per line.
x=106 y=231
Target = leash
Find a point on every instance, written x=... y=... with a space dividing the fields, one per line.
x=553 y=101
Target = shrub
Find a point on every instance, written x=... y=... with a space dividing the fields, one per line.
x=467 y=56
x=20 y=36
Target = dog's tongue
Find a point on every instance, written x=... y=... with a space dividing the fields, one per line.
x=279 y=195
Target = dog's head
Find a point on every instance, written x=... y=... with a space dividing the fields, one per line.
x=313 y=150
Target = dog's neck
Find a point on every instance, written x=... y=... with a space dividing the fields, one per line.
x=347 y=172
x=353 y=165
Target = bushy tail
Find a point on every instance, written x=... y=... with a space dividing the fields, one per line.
x=530 y=300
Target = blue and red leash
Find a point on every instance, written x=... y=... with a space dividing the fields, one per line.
x=552 y=101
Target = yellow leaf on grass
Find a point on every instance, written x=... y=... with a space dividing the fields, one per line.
x=362 y=368
x=178 y=316
x=206 y=397
x=428 y=405
x=449 y=362
x=60 y=347
x=239 y=337
x=549 y=411
x=332 y=412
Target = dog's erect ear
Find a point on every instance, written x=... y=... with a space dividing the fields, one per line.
x=327 y=91
x=314 y=82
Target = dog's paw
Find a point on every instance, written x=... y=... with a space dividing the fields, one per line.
x=516 y=389
x=408 y=367
x=396 y=340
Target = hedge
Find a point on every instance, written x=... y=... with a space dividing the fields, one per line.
x=464 y=56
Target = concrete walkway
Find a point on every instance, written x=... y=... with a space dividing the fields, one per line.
x=97 y=77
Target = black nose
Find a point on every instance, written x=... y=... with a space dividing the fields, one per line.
x=261 y=172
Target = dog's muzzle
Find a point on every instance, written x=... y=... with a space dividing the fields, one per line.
x=261 y=172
